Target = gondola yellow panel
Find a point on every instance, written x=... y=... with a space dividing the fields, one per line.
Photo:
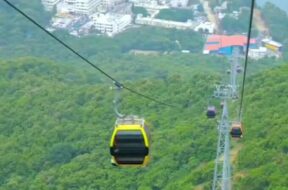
x=130 y=142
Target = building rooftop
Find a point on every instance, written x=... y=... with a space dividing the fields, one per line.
x=215 y=42
x=109 y=18
x=272 y=42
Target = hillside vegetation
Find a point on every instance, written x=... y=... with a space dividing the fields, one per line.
x=56 y=113
x=178 y=15
x=56 y=129
x=263 y=161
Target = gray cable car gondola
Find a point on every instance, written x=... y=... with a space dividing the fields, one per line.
x=222 y=104
x=211 y=112
x=238 y=69
x=236 y=130
x=228 y=71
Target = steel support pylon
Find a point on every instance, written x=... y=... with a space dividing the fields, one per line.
x=222 y=169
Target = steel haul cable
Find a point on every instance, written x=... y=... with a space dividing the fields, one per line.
x=85 y=59
x=246 y=59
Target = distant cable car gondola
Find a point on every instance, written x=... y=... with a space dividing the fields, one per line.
x=236 y=130
x=130 y=142
x=222 y=105
x=211 y=112
x=238 y=69
x=228 y=71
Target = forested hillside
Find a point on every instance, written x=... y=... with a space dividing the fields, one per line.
x=263 y=160
x=56 y=113
x=56 y=129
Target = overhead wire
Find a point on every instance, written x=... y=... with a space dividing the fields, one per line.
x=85 y=59
x=246 y=59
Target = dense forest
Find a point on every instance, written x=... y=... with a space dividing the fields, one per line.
x=56 y=114
x=263 y=160
x=64 y=125
x=56 y=128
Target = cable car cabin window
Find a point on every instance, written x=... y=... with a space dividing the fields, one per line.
x=128 y=137
x=129 y=143
x=129 y=147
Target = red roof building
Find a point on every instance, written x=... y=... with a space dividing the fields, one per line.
x=222 y=44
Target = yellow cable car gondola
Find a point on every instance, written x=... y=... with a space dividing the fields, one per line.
x=130 y=142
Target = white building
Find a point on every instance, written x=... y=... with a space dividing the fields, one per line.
x=272 y=45
x=262 y=52
x=221 y=8
x=137 y=1
x=206 y=27
x=86 y=7
x=150 y=4
x=257 y=53
x=179 y=3
x=111 y=24
x=108 y=4
x=164 y=23
x=49 y=4
x=61 y=23
x=221 y=15
x=62 y=8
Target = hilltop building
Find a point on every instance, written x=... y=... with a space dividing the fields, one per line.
x=111 y=24
x=49 y=4
x=179 y=3
x=272 y=45
x=223 y=7
x=164 y=23
x=223 y=45
x=149 y=4
x=83 y=7
x=122 y=8
x=205 y=27
x=110 y=4
x=258 y=53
